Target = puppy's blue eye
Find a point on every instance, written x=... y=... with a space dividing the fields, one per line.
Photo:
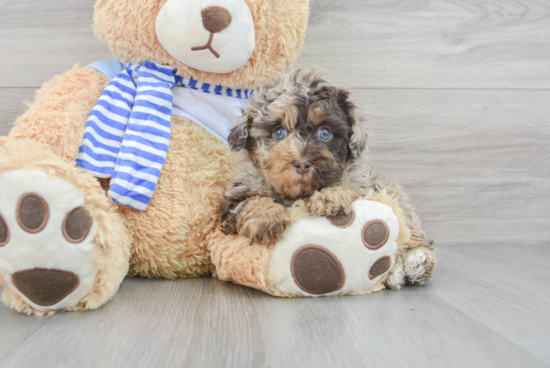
x=280 y=134
x=325 y=134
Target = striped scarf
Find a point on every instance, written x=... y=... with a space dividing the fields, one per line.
x=127 y=134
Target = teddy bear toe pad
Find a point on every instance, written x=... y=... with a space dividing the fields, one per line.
x=316 y=270
x=337 y=255
x=47 y=253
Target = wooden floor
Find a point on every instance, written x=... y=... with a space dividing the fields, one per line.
x=458 y=93
x=487 y=307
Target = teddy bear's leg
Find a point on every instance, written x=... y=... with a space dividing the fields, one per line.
x=416 y=260
x=236 y=259
x=335 y=255
x=63 y=244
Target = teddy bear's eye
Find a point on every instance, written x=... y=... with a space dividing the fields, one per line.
x=325 y=134
x=280 y=134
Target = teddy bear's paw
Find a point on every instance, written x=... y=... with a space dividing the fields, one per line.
x=336 y=255
x=47 y=253
x=418 y=265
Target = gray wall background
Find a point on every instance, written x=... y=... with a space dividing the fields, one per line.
x=458 y=93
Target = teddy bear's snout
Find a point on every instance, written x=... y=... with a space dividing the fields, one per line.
x=208 y=35
x=215 y=19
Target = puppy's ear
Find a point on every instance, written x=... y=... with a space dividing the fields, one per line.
x=239 y=135
x=358 y=122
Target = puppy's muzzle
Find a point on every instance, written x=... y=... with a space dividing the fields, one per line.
x=302 y=167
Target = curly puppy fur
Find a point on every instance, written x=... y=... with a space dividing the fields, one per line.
x=283 y=156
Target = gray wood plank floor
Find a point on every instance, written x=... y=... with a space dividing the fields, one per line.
x=458 y=95
x=487 y=307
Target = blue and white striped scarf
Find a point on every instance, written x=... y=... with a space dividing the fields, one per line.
x=127 y=134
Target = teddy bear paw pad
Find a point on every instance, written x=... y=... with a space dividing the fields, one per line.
x=336 y=255
x=316 y=270
x=47 y=253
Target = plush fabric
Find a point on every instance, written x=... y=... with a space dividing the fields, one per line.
x=170 y=237
x=32 y=213
x=4 y=232
x=128 y=130
x=226 y=31
x=77 y=225
x=238 y=260
x=101 y=261
x=57 y=117
x=216 y=114
x=46 y=248
x=129 y=29
x=177 y=236
x=47 y=287
x=111 y=68
x=128 y=133
x=346 y=244
x=215 y=108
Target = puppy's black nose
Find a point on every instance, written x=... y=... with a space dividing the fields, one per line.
x=302 y=166
x=215 y=18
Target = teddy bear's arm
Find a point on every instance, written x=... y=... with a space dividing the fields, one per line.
x=58 y=115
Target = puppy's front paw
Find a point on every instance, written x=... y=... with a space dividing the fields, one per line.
x=263 y=221
x=331 y=201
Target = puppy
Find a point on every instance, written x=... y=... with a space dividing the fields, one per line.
x=301 y=140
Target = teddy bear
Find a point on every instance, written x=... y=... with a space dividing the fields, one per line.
x=118 y=169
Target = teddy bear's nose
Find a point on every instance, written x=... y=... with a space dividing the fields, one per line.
x=215 y=18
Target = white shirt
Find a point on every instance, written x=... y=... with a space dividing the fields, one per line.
x=217 y=114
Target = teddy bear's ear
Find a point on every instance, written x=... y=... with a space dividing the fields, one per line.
x=239 y=135
x=358 y=122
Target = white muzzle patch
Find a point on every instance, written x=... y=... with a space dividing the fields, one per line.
x=209 y=35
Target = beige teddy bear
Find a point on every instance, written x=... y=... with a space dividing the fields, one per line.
x=119 y=168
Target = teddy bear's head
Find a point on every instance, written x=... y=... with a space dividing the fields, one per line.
x=235 y=43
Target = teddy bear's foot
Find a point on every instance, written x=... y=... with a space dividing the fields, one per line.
x=344 y=254
x=49 y=253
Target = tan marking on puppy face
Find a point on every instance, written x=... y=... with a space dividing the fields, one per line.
x=285 y=114
x=279 y=171
x=327 y=154
x=317 y=115
x=289 y=118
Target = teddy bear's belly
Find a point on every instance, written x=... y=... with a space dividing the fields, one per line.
x=169 y=238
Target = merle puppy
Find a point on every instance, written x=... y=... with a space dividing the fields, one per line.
x=304 y=140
